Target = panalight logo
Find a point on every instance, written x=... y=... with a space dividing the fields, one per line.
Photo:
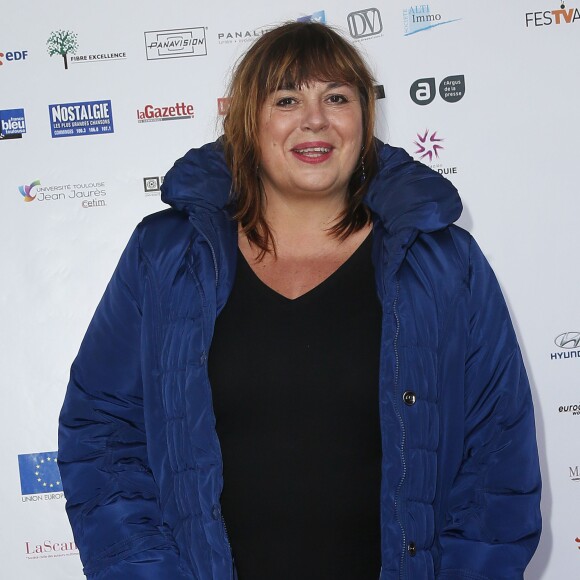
x=177 y=112
x=62 y=43
x=39 y=473
x=319 y=16
x=562 y=15
x=175 y=43
x=12 y=56
x=26 y=190
x=364 y=23
x=420 y=17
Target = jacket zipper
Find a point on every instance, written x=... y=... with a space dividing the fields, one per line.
x=215 y=266
x=402 y=424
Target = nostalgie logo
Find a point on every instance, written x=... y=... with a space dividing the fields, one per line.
x=49 y=549
x=422 y=17
x=39 y=474
x=152 y=185
x=77 y=119
x=560 y=15
x=10 y=56
x=176 y=43
x=363 y=24
x=319 y=16
x=89 y=194
x=65 y=43
x=177 y=112
x=12 y=124
x=451 y=90
x=429 y=147
x=569 y=343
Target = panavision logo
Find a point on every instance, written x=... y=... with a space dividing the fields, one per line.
x=569 y=342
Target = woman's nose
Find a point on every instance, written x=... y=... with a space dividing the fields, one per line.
x=314 y=117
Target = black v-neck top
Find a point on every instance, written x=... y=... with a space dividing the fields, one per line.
x=295 y=391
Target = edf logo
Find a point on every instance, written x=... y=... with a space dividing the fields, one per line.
x=13 y=55
x=363 y=23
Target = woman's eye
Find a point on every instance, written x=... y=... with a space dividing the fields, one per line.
x=337 y=99
x=285 y=102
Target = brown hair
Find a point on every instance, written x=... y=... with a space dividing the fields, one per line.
x=292 y=55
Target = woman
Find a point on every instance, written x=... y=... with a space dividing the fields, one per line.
x=308 y=301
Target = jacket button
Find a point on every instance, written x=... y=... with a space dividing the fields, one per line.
x=409 y=398
x=412 y=549
x=216 y=512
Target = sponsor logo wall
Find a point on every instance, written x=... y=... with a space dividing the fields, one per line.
x=455 y=91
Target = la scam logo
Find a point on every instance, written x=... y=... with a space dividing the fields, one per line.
x=26 y=190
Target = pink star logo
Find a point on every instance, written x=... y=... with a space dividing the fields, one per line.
x=428 y=145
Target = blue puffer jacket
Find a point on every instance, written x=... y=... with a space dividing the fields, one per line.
x=138 y=451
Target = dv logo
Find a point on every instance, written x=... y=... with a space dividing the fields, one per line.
x=451 y=89
x=363 y=23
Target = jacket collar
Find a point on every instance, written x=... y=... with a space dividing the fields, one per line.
x=405 y=195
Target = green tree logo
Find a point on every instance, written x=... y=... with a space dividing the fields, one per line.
x=63 y=42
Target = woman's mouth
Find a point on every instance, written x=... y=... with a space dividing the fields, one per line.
x=312 y=153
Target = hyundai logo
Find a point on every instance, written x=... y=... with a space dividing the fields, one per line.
x=363 y=23
x=568 y=340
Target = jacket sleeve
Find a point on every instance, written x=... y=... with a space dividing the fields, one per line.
x=493 y=524
x=112 y=497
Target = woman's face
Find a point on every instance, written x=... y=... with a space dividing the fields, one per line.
x=310 y=139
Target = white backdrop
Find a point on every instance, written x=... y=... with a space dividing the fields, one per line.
x=504 y=128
